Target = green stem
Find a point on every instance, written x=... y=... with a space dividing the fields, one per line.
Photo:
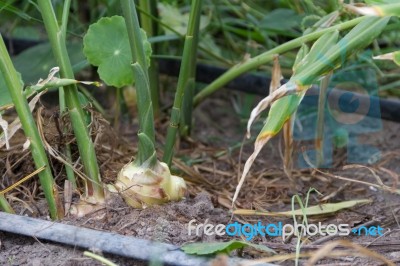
x=135 y=37
x=266 y=57
x=319 y=139
x=150 y=7
x=5 y=206
x=146 y=21
x=99 y=258
x=145 y=109
x=92 y=100
x=30 y=129
x=64 y=19
x=186 y=73
x=85 y=144
x=187 y=108
x=67 y=148
x=63 y=108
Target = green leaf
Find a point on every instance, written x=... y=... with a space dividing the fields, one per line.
x=280 y=20
x=106 y=45
x=396 y=57
x=50 y=82
x=312 y=210
x=324 y=56
x=26 y=33
x=221 y=247
x=390 y=9
x=380 y=2
x=208 y=42
x=301 y=54
x=318 y=50
x=5 y=98
x=322 y=23
x=341 y=138
x=357 y=39
x=35 y=63
x=380 y=10
x=174 y=18
x=281 y=110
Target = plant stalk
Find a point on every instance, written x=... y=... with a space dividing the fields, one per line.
x=150 y=7
x=187 y=108
x=30 y=130
x=85 y=143
x=63 y=108
x=140 y=70
x=186 y=79
x=266 y=57
x=319 y=138
x=67 y=148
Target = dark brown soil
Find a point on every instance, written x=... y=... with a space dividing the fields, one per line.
x=213 y=172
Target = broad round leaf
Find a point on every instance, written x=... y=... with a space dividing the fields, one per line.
x=106 y=45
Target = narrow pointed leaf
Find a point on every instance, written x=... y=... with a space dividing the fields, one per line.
x=358 y=38
x=318 y=50
x=303 y=51
x=221 y=247
x=312 y=210
x=380 y=10
x=394 y=56
x=324 y=22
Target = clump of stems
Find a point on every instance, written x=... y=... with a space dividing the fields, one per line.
x=186 y=82
x=31 y=131
x=94 y=188
x=148 y=25
x=146 y=181
x=187 y=108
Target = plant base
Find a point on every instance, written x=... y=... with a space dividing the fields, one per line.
x=141 y=186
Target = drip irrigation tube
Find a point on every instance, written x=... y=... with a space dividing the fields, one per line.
x=125 y=246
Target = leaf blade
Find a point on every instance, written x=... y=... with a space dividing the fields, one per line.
x=221 y=247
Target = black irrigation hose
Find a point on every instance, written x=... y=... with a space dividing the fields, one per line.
x=125 y=246
x=259 y=84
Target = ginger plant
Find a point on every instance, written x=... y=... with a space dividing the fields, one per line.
x=325 y=56
x=94 y=196
x=15 y=89
x=146 y=180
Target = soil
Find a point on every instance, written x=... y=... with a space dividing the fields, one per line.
x=210 y=165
